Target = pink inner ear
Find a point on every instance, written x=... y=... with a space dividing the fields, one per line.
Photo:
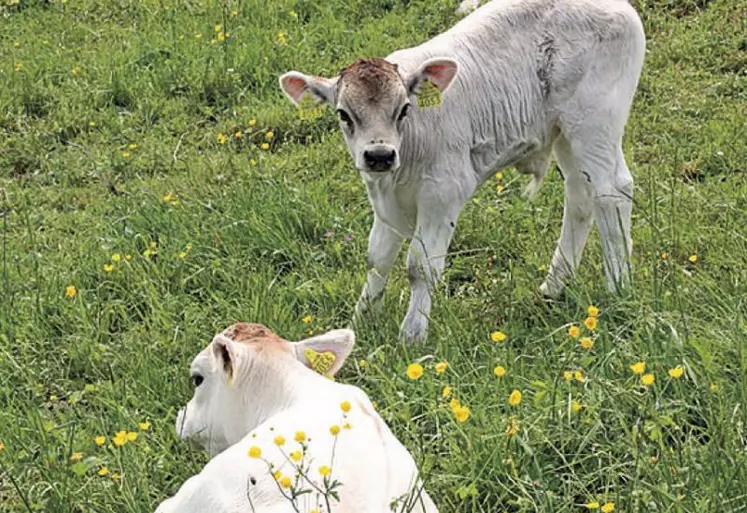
x=295 y=87
x=440 y=74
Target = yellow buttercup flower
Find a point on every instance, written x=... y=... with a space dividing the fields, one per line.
x=574 y=331
x=307 y=319
x=592 y=311
x=579 y=376
x=647 y=380
x=586 y=343
x=120 y=438
x=277 y=475
x=693 y=258
x=676 y=373
x=281 y=39
x=454 y=404
x=103 y=471
x=100 y=440
x=499 y=371
x=567 y=375
x=144 y=426
x=296 y=455
x=414 y=371
x=70 y=291
x=108 y=268
x=76 y=456
x=131 y=436
x=441 y=367
x=116 y=257
x=269 y=135
x=576 y=406
x=279 y=440
x=461 y=413
x=324 y=471
x=255 y=452
x=590 y=323
x=515 y=398
x=638 y=368
x=592 y=505
x=334 y=430
x=300 y=437
x=345 y=406
x=285 y=482
x=264 y=146
x=218 y=27
x=498 y=336
x=222 y=139
x=252 y=122
x=446 y=392
x=608 y=507
x=238 y=135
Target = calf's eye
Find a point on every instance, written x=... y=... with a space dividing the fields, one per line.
x=197 y=380
x=403 y=113
x=345 y=118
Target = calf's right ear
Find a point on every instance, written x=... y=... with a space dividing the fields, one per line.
x=296 y=85
x=325 y=353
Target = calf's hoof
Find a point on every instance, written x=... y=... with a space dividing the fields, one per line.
x=414 y=329
x=551 y=290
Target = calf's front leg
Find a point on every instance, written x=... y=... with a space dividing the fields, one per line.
x=425 y=264
x=383 y=247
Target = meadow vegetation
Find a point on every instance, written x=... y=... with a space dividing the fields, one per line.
x=155 y=187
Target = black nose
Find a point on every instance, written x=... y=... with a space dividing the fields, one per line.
x=379 y=158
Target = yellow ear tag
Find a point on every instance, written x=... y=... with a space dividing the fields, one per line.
x=309 y=109
x=429 y=96
x=320 y=362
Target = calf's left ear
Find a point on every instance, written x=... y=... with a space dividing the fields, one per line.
x=325 y=353
x=440 y=71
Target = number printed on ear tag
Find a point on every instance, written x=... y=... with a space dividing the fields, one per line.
x=320 y=362
x=309 y=109
x=429 y=96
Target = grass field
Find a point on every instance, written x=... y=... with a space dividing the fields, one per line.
x=141 y=214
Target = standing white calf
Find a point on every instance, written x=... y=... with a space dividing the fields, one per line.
x=257 y=402
x=535 y=77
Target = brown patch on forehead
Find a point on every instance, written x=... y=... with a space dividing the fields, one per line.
x=248 y=333
x=370 y=78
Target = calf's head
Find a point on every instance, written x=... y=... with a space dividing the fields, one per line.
x=372 y=99
x=246 y=375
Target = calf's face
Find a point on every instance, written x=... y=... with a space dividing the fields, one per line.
x=373 y=100
x=245 y=375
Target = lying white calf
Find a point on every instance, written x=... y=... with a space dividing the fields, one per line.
x=276 y=428
x=535 y=77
